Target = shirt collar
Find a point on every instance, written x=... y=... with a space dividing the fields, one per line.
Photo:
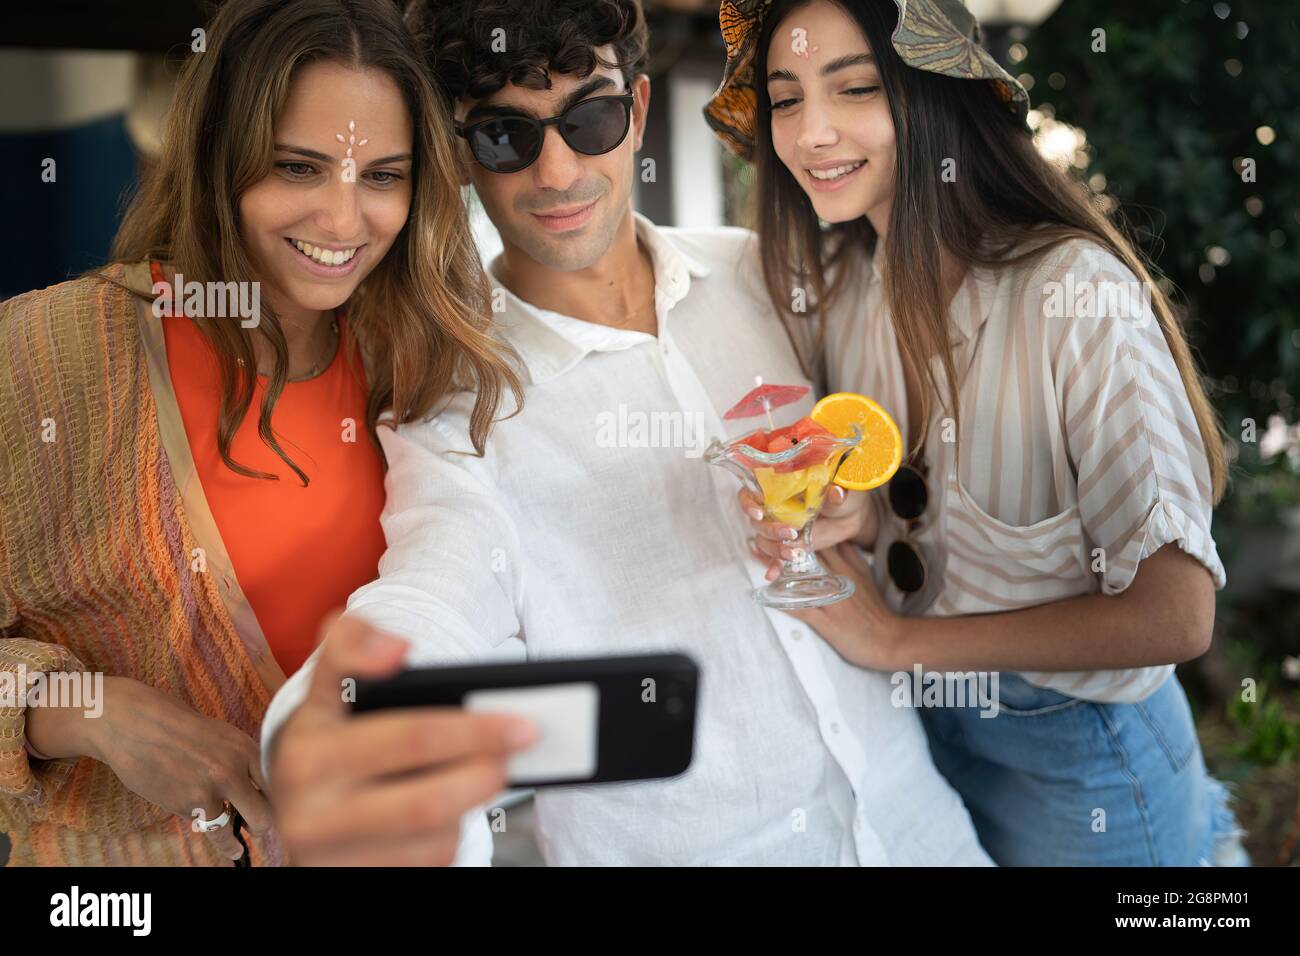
x=875 y=265
x=980 y=291
x=551 y=343
x=138 y=277
x=671 y=261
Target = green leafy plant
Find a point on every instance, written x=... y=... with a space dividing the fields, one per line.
x=1270 y=735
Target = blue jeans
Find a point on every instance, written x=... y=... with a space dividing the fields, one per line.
x=1053 y=780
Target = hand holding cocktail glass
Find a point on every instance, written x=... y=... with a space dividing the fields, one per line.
x=846 y=516
x=848 y=441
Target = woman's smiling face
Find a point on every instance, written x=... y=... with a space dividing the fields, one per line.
x=831 y=125
x=339 y=189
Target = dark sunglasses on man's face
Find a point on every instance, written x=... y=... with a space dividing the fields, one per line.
x=508 y=144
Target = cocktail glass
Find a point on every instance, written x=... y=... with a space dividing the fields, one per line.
x=792 y=486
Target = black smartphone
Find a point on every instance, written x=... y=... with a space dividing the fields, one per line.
x=600 y=719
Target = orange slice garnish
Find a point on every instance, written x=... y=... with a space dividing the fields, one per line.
x=874 y=461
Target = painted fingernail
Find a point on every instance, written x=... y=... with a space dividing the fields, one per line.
x=789 y=534
x=755 y=514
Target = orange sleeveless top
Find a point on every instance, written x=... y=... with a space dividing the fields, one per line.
x=297 y=552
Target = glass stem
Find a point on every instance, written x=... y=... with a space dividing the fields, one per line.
x=804 y=562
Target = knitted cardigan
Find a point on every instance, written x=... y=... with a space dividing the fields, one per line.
x=110 y=562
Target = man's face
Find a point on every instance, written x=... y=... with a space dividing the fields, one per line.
x=565 y=209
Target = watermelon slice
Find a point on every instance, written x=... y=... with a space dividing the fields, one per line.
x=783 y=439
x=807 y=428
x=782 y=443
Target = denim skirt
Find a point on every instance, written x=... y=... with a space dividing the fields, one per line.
x=1053 y=780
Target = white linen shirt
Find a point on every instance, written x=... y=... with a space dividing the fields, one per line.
x=583 y=545
x=1079 y=453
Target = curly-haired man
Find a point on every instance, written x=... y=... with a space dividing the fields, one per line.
x=587 y=531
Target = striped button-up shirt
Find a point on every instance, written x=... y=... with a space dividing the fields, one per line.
x=1078 y=453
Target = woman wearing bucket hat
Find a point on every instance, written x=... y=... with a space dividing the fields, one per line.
x=1049 y=531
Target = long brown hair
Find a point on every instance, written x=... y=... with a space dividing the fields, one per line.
x=420 y=320
x=1008 y=205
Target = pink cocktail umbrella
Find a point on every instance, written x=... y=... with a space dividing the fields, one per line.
x=763 y=398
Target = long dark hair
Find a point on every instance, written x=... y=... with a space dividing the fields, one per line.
x=1008 y=205
x=420 y=320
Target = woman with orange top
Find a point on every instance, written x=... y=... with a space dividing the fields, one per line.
x=191 y=474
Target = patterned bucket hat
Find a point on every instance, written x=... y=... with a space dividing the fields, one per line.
x=940 y=36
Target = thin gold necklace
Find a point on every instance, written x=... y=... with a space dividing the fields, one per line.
x=320 y=364
x=318 y=367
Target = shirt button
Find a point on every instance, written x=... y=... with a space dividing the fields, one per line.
x=796 y=636
x=835 y=728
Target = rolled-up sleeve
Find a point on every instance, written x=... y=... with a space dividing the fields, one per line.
x=1143 y=476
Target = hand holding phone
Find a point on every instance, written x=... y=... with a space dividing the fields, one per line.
x=381 y=789
x=599 y=719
